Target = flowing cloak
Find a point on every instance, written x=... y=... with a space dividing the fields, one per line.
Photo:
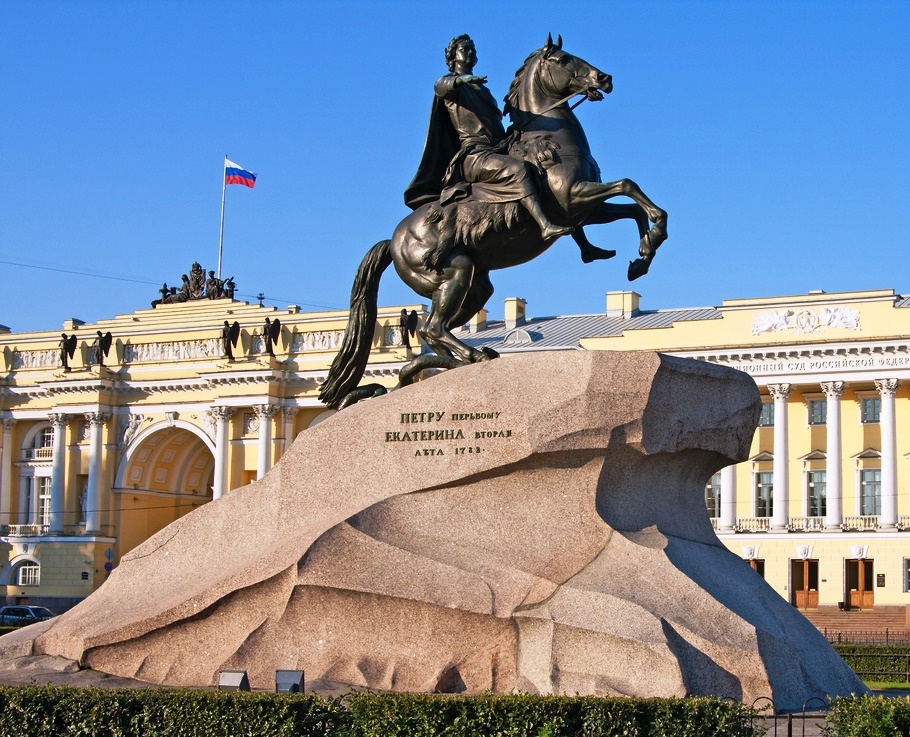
x=441 y=146
x=465 y=151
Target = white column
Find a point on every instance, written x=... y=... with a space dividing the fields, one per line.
x=25 y=501
x=727 y=498
x=780 y=516
x=34 y=501
x=887 y=388
x=6 y=472
x=58 y=472
x=290 y=413
x=834 y=461
x=264 y=412
x=96 y=422
x=222 y=417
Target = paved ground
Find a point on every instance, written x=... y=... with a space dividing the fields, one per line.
x=50 y=670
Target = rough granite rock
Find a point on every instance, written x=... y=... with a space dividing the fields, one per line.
x=534 y=523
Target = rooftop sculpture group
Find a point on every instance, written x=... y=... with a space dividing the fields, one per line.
x=196 y=286
x=485 y=199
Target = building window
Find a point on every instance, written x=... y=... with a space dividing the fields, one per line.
x=45 y=438
x=712 y=496
x=871 y=409
x=44 y=499
x=818 y=411
x=906 y=575
x=764 y=494
x=817 y=493
x=758 y=565
x=29 y=574
x=767 y=415
x=870 y=491
x=42 y=447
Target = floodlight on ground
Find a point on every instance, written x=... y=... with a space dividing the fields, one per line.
x=288 y=681
x=233 y=680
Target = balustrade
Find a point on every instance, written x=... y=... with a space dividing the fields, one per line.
x=752 y=524
x=26 y=530
x=806 y=524
x=38 y=454
x=43 y=530
x=862 y=523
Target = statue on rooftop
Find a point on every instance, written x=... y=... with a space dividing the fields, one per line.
x=196 y=286
x=270 y=332
x=196 y=283
x=214 y=287
x=407 y=325
x=67 y=349
x=229 y=336
x=487 y=199
x=102 y=346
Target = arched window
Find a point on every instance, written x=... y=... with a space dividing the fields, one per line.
x=42 y=447
x=45 y=438
x=28 y=574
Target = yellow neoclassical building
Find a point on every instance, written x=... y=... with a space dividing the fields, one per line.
x=96 y=458
x=822 y=507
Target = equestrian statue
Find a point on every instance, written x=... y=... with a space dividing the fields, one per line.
x=485 y=198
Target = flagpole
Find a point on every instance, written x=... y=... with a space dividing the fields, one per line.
x=221 y=235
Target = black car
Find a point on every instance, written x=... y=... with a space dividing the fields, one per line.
x=21 y=615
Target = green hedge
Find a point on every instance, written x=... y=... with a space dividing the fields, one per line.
x=39 y=711
x=416 y=715
x=51 y=711
x=869 y=716
x=877 y=662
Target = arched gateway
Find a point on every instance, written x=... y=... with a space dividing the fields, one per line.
x=166 y=472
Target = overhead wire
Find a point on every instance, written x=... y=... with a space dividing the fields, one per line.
x=203 y=500
x=264 y=297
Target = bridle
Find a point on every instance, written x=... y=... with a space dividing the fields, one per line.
x=558 y=103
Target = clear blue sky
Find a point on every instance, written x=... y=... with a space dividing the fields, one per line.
x=774 y=133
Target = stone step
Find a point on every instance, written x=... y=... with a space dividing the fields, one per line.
x=893 y=619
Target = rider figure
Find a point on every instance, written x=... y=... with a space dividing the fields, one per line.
x=466 y=134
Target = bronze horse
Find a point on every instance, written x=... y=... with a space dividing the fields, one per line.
x=455 y=275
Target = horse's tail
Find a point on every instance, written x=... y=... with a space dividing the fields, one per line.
x=351 y=361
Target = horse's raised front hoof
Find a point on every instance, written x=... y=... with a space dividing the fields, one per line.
x=651 y=241
x=593 y=253
x=637 y=268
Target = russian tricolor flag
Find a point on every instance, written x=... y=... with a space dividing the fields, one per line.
x=234 y=174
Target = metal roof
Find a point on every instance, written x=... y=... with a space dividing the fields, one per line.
x=551 y=333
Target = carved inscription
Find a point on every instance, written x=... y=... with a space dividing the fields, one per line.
x=835 y=363
x=440 y=433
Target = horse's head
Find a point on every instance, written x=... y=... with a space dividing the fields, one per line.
x=550 y=75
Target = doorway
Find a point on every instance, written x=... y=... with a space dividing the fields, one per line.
x=858 y=583
x=804 y=584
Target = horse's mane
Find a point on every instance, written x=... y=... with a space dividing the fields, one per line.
x=511 y=99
